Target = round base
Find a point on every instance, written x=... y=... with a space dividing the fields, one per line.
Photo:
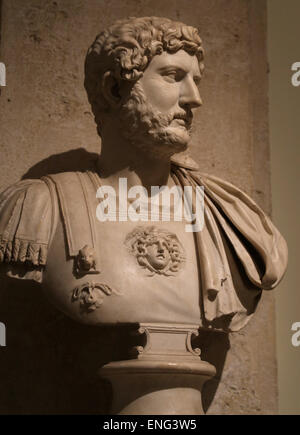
x=154 y=387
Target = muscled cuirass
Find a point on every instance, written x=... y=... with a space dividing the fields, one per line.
x=125 y=271
x=128 y=284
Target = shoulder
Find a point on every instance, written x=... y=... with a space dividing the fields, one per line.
x=20 y=189
x=25 y=222
x=30 y=210
x=248 y=228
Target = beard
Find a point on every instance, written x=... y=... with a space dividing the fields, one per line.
x=150 y=130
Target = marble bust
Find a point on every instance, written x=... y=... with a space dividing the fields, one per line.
x=142 y=78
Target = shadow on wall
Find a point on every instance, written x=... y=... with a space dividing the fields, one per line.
x=214 y=346
x=74 y=160
x=50 y=362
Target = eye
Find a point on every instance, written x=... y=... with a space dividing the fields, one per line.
x=173 y=76
x=170 y=76
x=197 y=80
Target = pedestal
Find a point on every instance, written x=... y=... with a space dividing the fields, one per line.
x=165 y=376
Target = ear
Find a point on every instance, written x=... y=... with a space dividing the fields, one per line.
x=111 y=89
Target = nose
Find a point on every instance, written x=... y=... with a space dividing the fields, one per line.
x=160 y=246
x=189 y=94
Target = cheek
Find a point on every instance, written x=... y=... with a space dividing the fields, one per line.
x=151 y=252
x=161 y=95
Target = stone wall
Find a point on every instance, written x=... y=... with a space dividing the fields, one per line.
x=46 y=126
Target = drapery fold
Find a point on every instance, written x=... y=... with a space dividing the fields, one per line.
x=231 y=217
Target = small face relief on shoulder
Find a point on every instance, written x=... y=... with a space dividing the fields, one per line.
x=85 y=262
x=156 y=250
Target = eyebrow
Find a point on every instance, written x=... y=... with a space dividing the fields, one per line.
x=179 y=68
x=170 y=66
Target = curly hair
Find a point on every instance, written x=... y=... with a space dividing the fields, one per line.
x=127 y=47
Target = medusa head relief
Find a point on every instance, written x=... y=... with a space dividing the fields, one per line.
x=157 y=250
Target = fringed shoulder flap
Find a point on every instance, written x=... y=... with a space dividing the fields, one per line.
x=25 y=223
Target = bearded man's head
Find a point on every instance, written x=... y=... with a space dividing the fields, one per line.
x=121 y=56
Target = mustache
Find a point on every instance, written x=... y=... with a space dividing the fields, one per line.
x=185 y=115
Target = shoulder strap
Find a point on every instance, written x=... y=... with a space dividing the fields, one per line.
x=77 y=200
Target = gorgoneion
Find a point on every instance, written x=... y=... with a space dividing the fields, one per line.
x=164 y=204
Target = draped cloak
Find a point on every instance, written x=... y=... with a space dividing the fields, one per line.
x=240 y=252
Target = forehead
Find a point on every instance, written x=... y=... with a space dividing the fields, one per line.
x=181 y=59
x=156 y=238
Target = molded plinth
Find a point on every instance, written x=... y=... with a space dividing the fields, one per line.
x=165 y=378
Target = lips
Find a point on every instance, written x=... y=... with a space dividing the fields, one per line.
x=184 y=119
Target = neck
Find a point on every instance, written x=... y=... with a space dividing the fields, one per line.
x=120 y=159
